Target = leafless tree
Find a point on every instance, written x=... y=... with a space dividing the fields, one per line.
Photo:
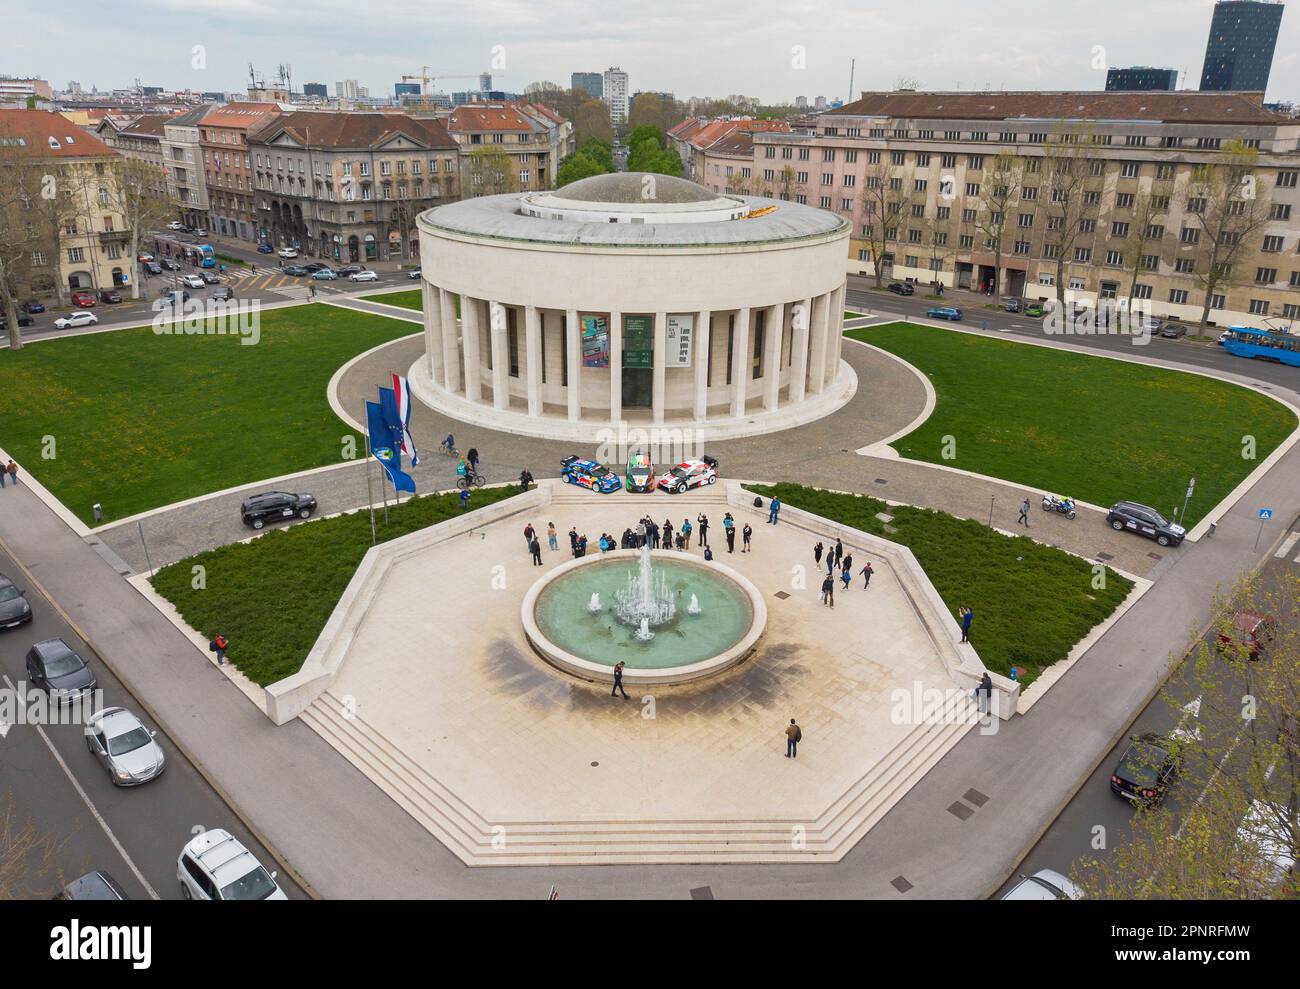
x=883 y=198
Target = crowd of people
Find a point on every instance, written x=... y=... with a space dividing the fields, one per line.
x=665 y=535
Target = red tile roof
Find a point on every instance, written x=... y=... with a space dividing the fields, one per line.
x=50 y=135
x=713 y=132
x=476 y=117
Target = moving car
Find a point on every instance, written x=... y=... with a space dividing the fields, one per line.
x=215 y=865
x=256 y=510
x=1146 y=769
x=175 y=225
x=589 y=474
x=324 y=275
x=153 y=267
x=690 y=474
x=210 y=278
x=640 y=473
x=170 y=265
x=124 y=746
x=109 y=296
x=1247 y=633
x=223 y=293
x=192 y=281
x=144 y=257
x=1035 y=309
x=295 y=269
x=22 y=321
x=363 y=276
x=95 y=885
x=14 y=609
x=1145 y=521
x=315 y=265
x=944 y=312
x=413 y=274
x=75 y=319
x=53 y=666
x=1045 y=884
x=200 y=232
x=350 y=269
x=84 y=299
x=902 y=288
x=288 y=252
x=32 y=307
x=265 y=249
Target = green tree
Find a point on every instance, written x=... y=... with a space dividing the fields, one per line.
x=577 y=166
x=490 y=171
x=592 y=121
x=646 y=111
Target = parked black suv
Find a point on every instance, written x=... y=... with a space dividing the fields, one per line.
x=259 y=509
x=901 y=288
x=1144 y=521
x=1145 y=770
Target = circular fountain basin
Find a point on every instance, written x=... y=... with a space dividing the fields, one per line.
x=561 y=628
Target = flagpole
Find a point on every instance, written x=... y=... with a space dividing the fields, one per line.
x=370 y=491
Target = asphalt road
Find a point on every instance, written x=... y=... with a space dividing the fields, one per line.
x=1071 y=835
x=134 y=834
x=1208 y=355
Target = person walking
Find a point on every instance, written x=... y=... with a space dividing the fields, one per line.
x=729 y=527
x=839 y=552
x=866 y=575
x=686 y=533
x=828 y=591
x=967 y=616
x=525 y=479
x=618 y=680
x=846 y=574
x=551 y=534
x=702 y=521
x=219 y=645
x=529 y=533
x=464 y=499
x=817 y=553
x=773 y=510
x=536 y=547
x=1024 y=513
x=745 y=535
x=847 y=564
x=793 y=736
x=12 y=470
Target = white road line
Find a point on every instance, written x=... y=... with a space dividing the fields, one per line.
x=90 y=806
x=1287 y=545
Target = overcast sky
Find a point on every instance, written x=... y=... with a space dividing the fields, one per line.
x=691 y=47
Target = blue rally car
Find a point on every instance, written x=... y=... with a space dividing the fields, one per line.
x=589 y=474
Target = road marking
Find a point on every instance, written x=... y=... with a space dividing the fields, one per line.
x=90 y=806
x=1286 y=546
x=4 y=729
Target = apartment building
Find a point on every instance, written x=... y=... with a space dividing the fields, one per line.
x=227 y=167
x=182 y=161
x=711 y=149
x=140 y=138
x=614 y=91
x=348 y=186
x=534 y=136
x=920 y=178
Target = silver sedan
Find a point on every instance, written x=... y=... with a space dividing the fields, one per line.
x=125 y=747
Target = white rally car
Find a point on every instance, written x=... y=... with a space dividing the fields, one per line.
x=690 y=474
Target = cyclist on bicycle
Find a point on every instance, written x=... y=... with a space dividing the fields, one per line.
x=449 y=444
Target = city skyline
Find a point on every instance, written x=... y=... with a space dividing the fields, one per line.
x=793 y=52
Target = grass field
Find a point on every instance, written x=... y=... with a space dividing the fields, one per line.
x=139 y=420
x=1095 y=429
x=271 y=597
x=410 y=299
x=1032 y=602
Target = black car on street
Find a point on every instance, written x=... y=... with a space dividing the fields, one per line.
x=271 y=506
x=1146 y=769
x=14 y=609
x=52 y=665
x=902 y=288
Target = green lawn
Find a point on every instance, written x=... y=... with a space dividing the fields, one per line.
x=1095 y=429
x=1032 y=602
x=272 y=596
x=410 y=299
x=139 y=420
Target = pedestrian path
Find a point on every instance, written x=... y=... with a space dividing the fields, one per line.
x=262 y=277
x=1288 y=545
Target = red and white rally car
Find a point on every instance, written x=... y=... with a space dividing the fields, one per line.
x=690 y=474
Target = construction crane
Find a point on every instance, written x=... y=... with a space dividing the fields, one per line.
x=425 y=79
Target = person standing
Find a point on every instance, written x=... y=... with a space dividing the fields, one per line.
x=703 y=522
x=12 y=471
x=219 y=645
x=618 y=680
x=817 y=553
x=525 y=479
x=472 y=457
x=708 y=554
x=529 y=533
x=551 y=539
x=745 y=535
x=686 y=533
x=985 y=687
x=967 y=616
x=773 y=510
x=573 y=540
x=667 y=534
x=464 y=499
x=793 y=736
x=729 y=527
x=839 y=552
x=640 y=534
x=582 y=545
x=866 y=575
x=536 y=547
x=680 y=541
x=828 y=591
x=1024 y=513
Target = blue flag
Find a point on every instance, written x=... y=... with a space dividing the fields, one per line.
x=386 y=447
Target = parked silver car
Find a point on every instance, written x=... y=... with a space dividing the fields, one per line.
x=125 y=747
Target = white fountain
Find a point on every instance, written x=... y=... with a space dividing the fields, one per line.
x=645 y=601
x=593 y=605
x=694 y=607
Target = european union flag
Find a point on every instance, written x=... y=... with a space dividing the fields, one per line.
x=386 y=447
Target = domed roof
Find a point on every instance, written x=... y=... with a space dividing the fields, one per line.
x=630 y=187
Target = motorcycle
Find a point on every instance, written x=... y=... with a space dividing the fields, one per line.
x=1064 y=506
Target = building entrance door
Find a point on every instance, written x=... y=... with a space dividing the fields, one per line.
x=638 y=387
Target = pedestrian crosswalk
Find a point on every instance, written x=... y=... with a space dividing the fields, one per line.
x=262 y=277
x=1289 y=544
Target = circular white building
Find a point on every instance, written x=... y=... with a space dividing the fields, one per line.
x=632 y=298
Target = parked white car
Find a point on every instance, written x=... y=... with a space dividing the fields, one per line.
x=124 y=746
x=215 y=865
x=175 y=225
x=363 y=276
x=1045 y=884
x=193 y=281
x=288 y=252
x=76 y=319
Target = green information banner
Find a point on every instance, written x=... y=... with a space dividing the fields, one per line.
x=638 y=341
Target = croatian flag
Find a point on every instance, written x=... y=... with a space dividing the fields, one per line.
x=402 y=392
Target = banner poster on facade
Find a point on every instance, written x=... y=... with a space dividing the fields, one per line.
x=595 y=341
x=638 y=341
x=681 y=334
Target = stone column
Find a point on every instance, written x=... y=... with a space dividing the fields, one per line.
x=817 y=350
x=615 y=366
x=450 y=346
x=741 y=363
x=836 y=347
x=700 y=356
x=499 y=341
x=772 y=357
x=573 y=348
x=432 y=331
x=660 y=369
x=533 y=352
x=800 y=323
x=469 y=318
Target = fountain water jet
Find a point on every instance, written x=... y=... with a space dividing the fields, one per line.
x=645 y=600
